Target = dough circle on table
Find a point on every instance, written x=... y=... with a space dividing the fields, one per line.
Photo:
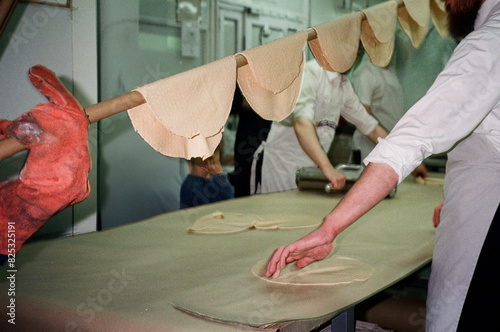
x=231 y=222
x=332 y=271
x=429 y=180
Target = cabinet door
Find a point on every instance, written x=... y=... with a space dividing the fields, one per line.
x=264 y=26
x=230 y=30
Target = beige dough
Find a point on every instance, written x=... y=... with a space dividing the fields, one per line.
x=337 y=44
x=429 y=181
x=332 y=271
x=227 y=223
x=414 y=19
x=377 y=32
x=439 y=17
x=272 y=79
x=166 y=142
x=184 y=114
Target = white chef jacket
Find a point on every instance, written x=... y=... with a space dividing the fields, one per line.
x=461 y=112
x=324 y=97
x=380 y=89
x=465 y=98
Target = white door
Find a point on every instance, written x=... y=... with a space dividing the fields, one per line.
x=230 y=30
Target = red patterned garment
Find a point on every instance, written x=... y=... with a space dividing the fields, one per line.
x=56 y=169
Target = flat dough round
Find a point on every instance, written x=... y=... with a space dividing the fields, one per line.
x=222 y=223
x=184 y=114
x=439 y=17
x=414 y=17
x=336 y=46
x=377 y=32
x=429 y=181
x=230 y=222
x=188 y=104
x=332 y=271
x=272 y=79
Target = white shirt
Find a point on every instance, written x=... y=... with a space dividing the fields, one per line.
x=378 y=88
x=324 y=97
x=331 y=93
x=465 y=98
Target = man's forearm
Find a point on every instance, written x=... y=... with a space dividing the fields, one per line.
x=374 y=185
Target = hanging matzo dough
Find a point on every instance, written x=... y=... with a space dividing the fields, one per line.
x=336 y=46
x=414 y=19
x=439 y=17
x=184 y=114
x=168 y=143
x=272 y=79
x=377 y=32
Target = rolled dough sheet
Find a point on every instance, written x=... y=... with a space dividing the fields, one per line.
x=184 y=114
x=337 y=44
x=332 y=271
x=439 y=17
x=414 y=19
x=272 y=79
x=227 y=223
x=429 y=181
x=167 y=143
x=377 y=32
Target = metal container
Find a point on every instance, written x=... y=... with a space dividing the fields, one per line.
x=311 y=178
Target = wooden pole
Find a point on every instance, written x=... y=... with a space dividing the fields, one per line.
x=9 y=146
x=104 y=109
x=6 y=9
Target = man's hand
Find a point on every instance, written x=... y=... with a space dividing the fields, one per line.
x=436 y=215
x=336 y=178
x=421 y=170
x=317 y=245
x=374 y=185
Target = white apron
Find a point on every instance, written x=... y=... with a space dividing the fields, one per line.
x=283 y=155
x=472 y=195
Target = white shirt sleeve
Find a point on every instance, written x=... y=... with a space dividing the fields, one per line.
x=354 y=112
x=462 y=96
x=305 y=105
x=364 y=83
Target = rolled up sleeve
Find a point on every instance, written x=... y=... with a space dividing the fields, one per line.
x=460 y=99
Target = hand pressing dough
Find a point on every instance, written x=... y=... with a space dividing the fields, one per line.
x=227 y=223
x=332 y=271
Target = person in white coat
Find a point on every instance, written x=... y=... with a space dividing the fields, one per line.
x=304 y=138
x=460 y=113
x=379 y=90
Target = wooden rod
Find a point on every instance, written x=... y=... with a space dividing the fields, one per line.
x=9 y=146
x=6 y=9
x=104 y=109
x=113 y=106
